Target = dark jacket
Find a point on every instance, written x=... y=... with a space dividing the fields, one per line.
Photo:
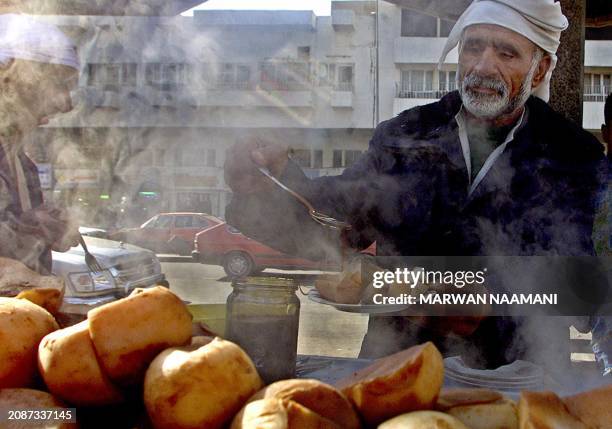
x=409 y=193
x=14 y=242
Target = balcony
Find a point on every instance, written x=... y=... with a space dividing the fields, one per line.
x=313 y=173
x=402 y=90
x=593 y=106
x=341 y=95
x=254 y=97
x=281 y=84
x=596 y=94
x=407 y=96
x=343 y=19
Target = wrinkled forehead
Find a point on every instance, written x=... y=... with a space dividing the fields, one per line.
x=492 y=34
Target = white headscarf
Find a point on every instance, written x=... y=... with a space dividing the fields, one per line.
x=541 y=21
x=22 y=37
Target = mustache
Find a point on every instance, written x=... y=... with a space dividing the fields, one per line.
x=473 y=80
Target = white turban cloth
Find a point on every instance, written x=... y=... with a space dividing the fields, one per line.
x=22 y=37
x=540 y=21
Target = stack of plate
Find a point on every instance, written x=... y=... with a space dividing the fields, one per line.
x=510 y=379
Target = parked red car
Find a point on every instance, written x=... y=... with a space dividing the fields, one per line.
x=168 y=232
x=241 y=256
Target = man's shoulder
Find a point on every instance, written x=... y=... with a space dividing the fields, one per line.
x=563 y=136
x=420 y=121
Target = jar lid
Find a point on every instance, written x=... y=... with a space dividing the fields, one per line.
x=267 y=281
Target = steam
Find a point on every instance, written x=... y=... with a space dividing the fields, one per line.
x=140 y=141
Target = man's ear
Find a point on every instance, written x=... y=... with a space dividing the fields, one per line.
x=540 y=74
x=605 y=134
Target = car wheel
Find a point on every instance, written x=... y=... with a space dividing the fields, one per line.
x=237 y=264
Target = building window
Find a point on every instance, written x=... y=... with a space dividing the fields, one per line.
x=447 y=81
x=285 y=76
x=446 y=27
x=350 y=156
x=211 y=155
x=327 y=74
x=166 y=77
x=317 y=159
x=597 y=86
x=112 y=75
x=417 y=84
x=337 y=159
x=233 y=76
x=302 y=157
x=338 y=76
x=345 y=78
x=303 y=53
x=416 y=24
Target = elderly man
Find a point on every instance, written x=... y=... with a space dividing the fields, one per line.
x=38 y=68
x=489 y=169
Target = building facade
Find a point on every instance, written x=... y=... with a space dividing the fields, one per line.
x=161 y=99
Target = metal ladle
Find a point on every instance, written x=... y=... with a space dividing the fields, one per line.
x=318 y=217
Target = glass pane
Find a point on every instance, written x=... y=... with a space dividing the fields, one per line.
x=588 y=84
x=130 y=74
x=337 y=159
x=429 y=80
x=163 y=222
x=415 y=24
x=200 y=222
x=446 y=27
x=183 y=222
x=351 y=156
x=317 y=161
x=243 y=74
x=417 y=78
x=452 y=80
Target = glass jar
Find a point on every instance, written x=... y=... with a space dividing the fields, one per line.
x=263 y=315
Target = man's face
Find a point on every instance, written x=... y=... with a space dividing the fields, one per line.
x=34 y=92
x=498 y=70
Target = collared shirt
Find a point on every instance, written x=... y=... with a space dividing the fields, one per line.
x=465 y=146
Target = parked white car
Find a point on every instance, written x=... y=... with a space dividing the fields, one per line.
x=125 y=267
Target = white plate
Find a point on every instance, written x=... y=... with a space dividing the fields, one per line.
x=313 y=295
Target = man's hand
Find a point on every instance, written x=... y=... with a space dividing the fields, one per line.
x=56 y=226
x=243 y=159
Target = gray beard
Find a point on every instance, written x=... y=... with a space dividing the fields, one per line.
x=494 y=106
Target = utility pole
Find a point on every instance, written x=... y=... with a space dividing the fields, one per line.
x=567 y=86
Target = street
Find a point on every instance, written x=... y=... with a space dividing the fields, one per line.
x=323 y=330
